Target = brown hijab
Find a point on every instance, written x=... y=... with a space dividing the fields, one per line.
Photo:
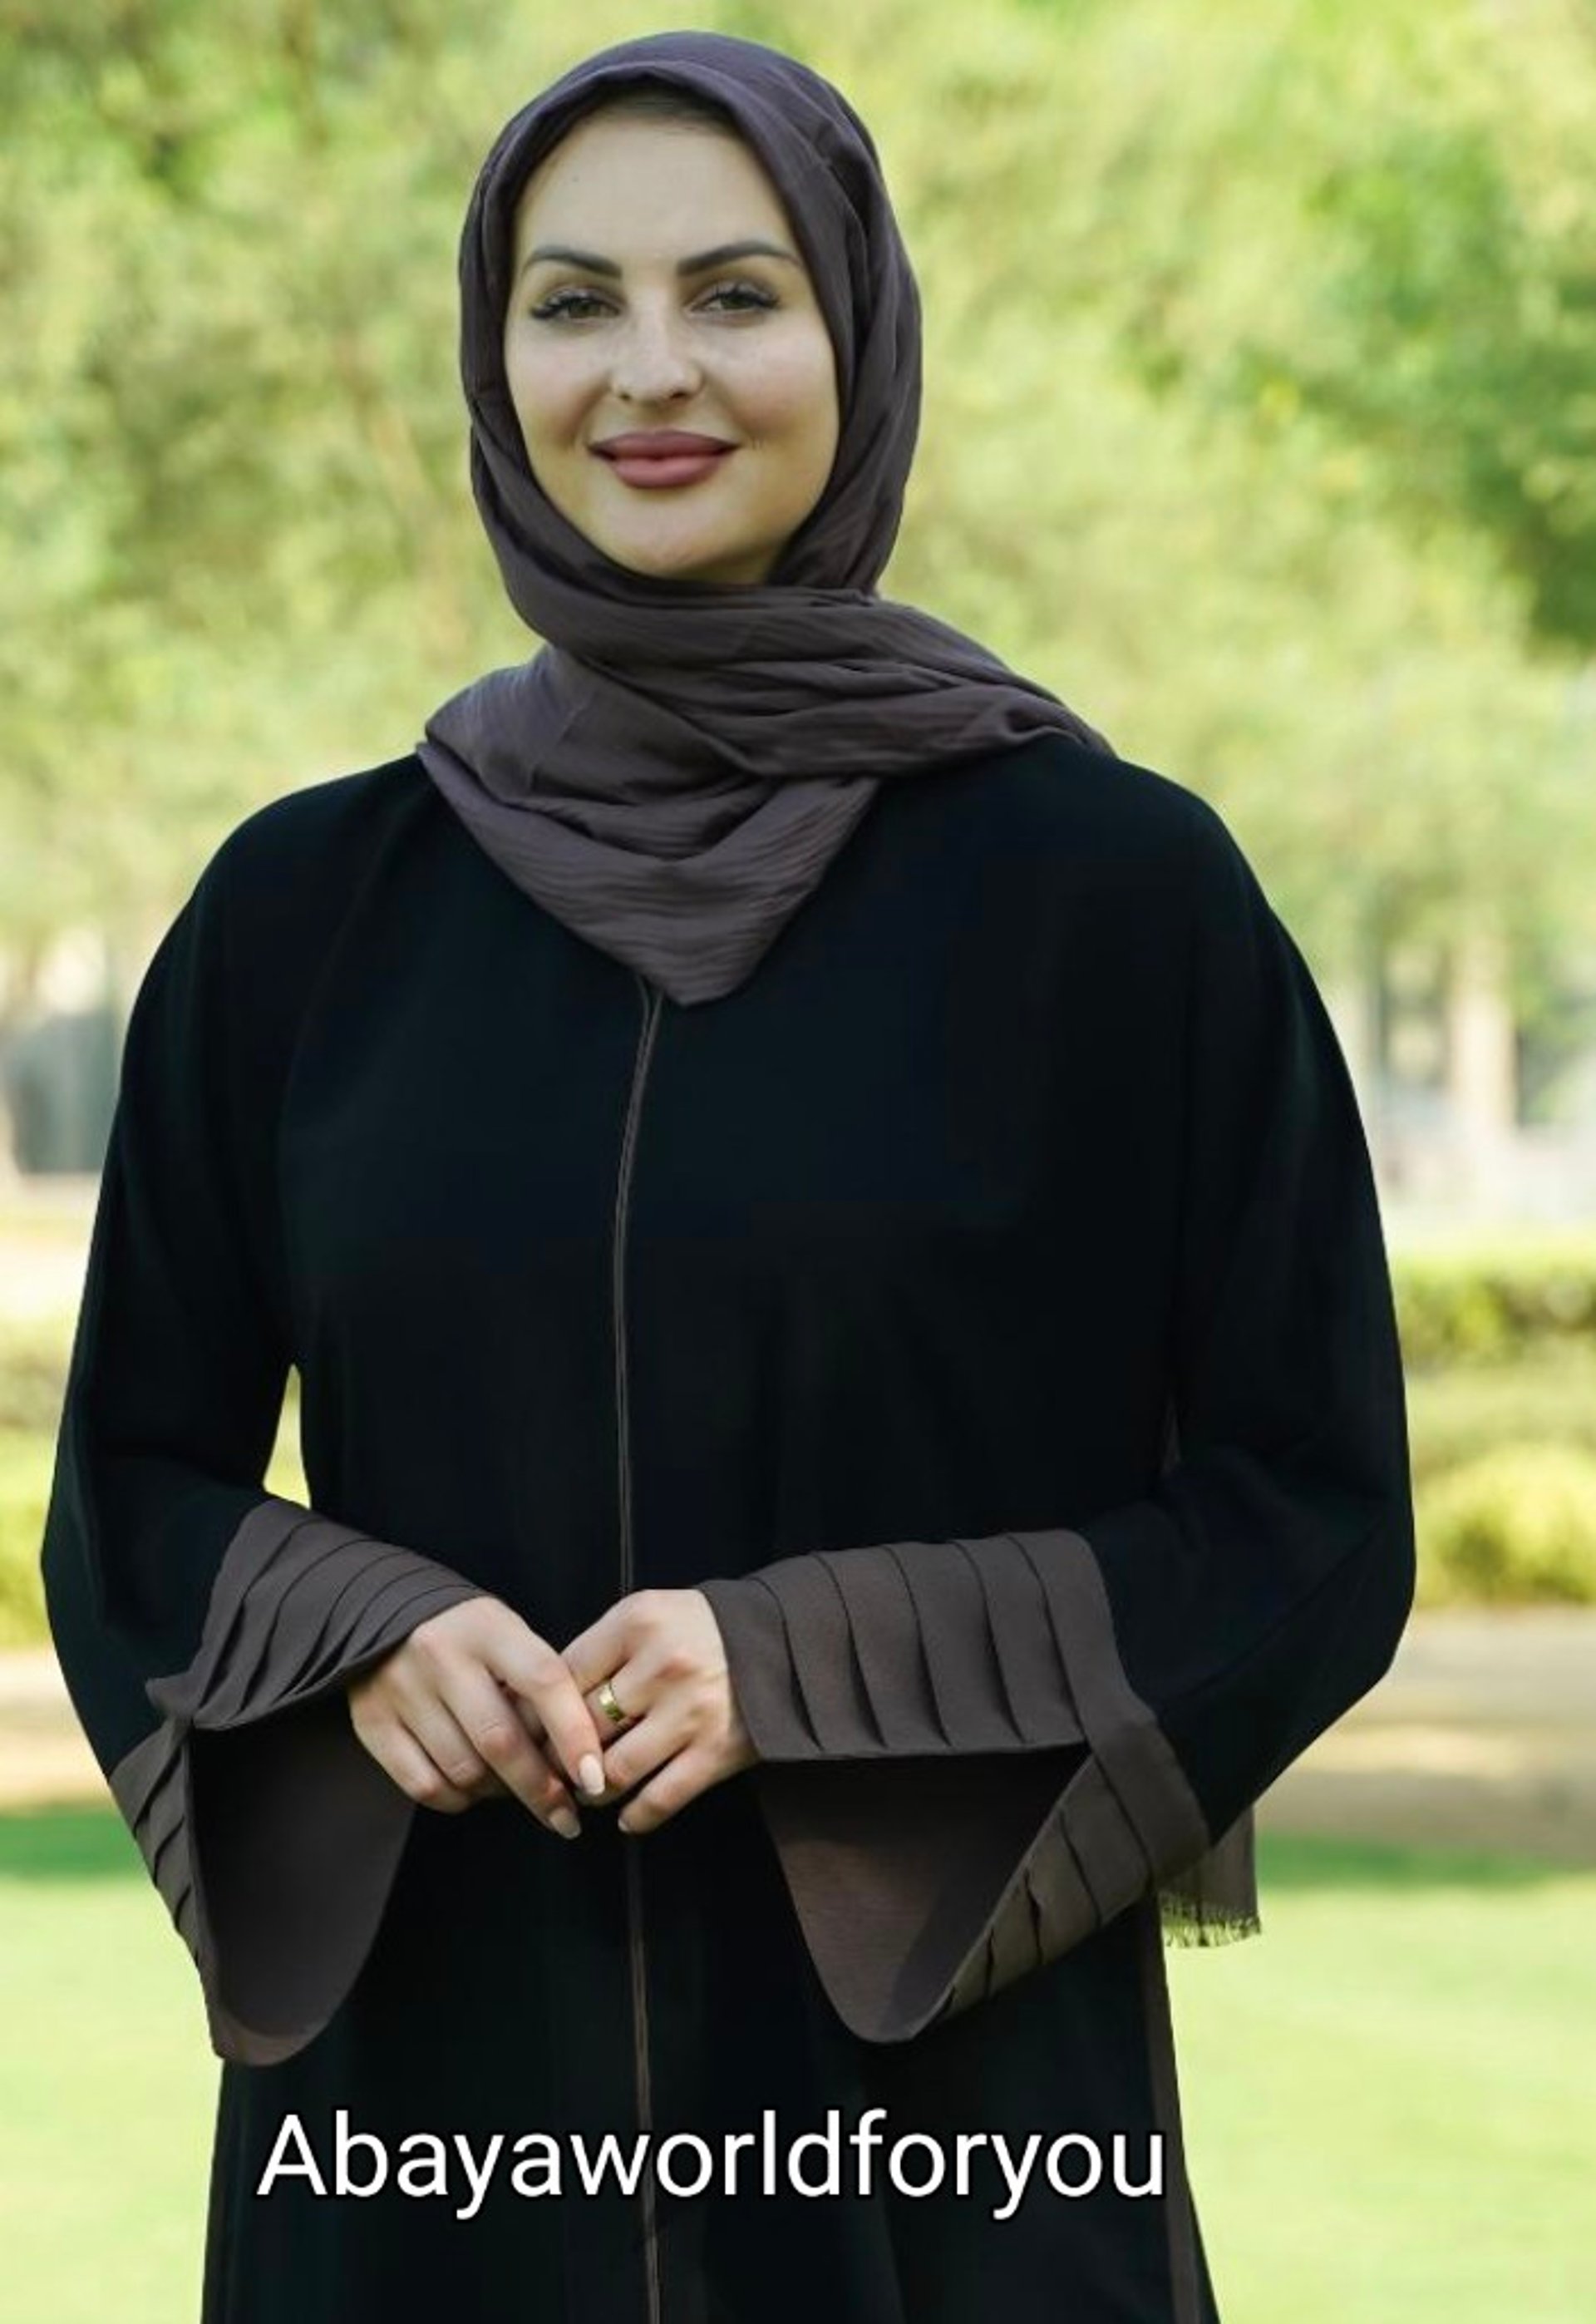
x=671 y=774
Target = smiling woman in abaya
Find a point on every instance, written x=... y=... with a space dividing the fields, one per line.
x=850 y=1403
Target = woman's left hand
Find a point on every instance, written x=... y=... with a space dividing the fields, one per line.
x=663 y=1654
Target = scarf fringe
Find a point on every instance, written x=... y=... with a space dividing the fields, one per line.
x=1185 y=1923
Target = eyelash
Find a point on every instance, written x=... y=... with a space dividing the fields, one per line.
x=561 y=302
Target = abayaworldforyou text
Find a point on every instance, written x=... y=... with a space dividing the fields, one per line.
x=357 y=2163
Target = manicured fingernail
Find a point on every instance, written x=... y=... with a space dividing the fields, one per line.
x=593 y=1776
x=621 y=1825
x=565 y=1824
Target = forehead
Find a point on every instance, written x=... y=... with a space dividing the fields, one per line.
x=646 y=184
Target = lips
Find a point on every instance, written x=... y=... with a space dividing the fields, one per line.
x=654 y=469
x=659 y=444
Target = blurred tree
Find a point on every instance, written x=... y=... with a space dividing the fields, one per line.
x=1254 y=416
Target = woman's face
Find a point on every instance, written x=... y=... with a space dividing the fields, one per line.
x=737 y=350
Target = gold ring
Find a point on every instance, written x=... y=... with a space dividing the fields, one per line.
x=609 y=1705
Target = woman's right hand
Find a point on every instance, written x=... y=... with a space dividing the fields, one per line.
x=456 y=1712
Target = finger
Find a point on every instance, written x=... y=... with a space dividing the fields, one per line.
x=496 y=1734
x=533 y=1670
x=526 y=1712
x=656 y=1738
x=433 y=1724
x=681 y=1780
x=418 y=1774
x=402 y=1758
x=630 y=1690
x=596 y=1653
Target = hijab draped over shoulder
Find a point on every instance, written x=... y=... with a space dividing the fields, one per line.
x=671 y=772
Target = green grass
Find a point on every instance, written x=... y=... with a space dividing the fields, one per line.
x=106 y=2082
x=1388 y=2096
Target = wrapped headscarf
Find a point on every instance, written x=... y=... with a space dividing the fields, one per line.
x=671 y=772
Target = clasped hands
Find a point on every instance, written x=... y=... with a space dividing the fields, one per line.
x=473 y=1705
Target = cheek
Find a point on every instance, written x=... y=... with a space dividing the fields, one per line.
x=795 y=392
x=546 y=388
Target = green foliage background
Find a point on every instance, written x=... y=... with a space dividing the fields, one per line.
x=1259 y=422
x=1259 y=415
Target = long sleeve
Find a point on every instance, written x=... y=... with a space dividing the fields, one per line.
x=206 y=1628
x=972 y=1754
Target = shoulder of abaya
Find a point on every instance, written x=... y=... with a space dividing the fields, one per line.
x=328 y=827
x=1055 y=796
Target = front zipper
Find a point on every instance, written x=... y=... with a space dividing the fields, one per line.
x=634 y=1866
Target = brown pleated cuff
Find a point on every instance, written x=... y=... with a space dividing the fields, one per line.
x=959 y=1780
x=272 y=1833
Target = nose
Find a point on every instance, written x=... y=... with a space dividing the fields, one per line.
x=652 y=357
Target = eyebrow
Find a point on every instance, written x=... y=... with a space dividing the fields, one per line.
x=723 y=252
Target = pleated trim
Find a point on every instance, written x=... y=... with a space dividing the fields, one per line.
x=298 y=1605
x=149 y=1787
x=915 y=1648
x=299 y=1602
x=927 y=1653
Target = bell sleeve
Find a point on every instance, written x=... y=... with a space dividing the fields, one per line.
x=973 y=1754
x=206 y=1628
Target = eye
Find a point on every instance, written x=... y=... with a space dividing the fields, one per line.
x=564 y=302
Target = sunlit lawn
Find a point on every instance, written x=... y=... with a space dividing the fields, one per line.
x=1388 y=2096
x=106 y=2083
x=1391 y=2096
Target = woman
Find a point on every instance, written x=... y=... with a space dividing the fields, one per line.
x=857 y=1306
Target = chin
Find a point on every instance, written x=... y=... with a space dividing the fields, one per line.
x=665 y=568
